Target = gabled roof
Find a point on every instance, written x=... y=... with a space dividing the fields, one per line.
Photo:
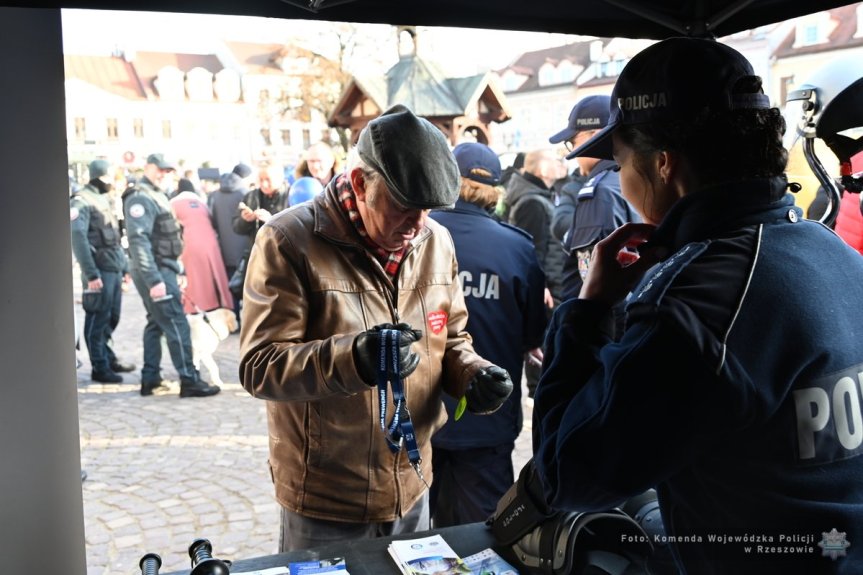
x=423 y=87
x=109 y=73
x=842 y=36
x=148 y=64
x=529 y=63
x=256 y=58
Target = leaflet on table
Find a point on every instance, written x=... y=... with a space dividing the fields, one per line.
x=488 y=562
x=270 y=571
x=331 y=566
x=428 y=555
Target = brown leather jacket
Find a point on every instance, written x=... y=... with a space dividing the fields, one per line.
x=311 y=287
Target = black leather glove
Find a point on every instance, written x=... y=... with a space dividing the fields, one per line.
x=488 y=389
x=367 y=351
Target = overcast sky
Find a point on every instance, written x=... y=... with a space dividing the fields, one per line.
x=100 y=31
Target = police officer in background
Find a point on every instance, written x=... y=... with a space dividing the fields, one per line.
x=96 y=245
x=599 y=208
x=155 y=243
x=503 y=286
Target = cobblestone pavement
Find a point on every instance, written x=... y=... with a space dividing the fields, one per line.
x=162 y=472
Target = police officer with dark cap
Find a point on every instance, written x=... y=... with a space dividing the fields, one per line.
x=598 y=207
x=155 y=244
x=503 y=285
x=96 y=245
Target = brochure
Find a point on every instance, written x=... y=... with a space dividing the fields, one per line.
x=331 y=566
x=427 y=556
x=488 y=562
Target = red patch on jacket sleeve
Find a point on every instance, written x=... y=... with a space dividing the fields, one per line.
x=437 y=320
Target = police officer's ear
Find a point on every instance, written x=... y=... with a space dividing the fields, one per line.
x=358 y=183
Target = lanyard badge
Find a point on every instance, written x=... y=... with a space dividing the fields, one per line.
x=400 y=431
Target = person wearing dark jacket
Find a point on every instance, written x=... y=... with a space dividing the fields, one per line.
x=598 y=208
x=531 y=207
x=256 y=209
x=155 y=244
x=224 y=207
x=565 y=198
x=731 y=391
x=97 y=249
x=503 y=288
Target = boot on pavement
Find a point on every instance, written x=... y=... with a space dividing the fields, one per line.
x=197 y=388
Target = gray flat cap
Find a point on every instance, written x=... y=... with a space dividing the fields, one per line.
x=413 y=157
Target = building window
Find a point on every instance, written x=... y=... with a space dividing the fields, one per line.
x=813 y=29
x=113 y=132
x=166 y=129
x=199 y=84
x=286 y=137
x=169 y=84
x=265 y=134
x=809 y=35
x=138 y=127
x=307 y=138
x=80 y=129
x=566 y=71
x=546 y=75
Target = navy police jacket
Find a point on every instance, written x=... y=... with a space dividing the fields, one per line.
x=735 y=390
x=503 y=287
x=599 y=210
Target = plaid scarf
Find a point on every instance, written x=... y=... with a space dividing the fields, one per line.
x=348 y=202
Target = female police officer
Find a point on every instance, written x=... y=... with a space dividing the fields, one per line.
x=729 y=391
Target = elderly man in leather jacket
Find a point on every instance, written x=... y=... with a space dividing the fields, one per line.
x=353 y=325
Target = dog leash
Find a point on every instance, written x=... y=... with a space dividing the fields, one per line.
x=400 y=431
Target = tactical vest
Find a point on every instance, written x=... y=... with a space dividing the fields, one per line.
x=167 y=235
x=103 y=232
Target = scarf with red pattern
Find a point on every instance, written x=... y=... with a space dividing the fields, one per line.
x=348 y=202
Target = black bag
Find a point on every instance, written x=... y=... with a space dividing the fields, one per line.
x=541 y=541
x=235 y=283
x=92 y=301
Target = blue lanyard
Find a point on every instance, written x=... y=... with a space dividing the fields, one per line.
x=400 y=431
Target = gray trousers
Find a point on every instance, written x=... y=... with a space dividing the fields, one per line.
x=300 y=532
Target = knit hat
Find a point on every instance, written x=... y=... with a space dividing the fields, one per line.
x=185 y=185
x=242 y=170
x=672 y=81
x=98 y=168
x=413 y=157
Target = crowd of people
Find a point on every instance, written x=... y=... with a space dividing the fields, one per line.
x=182 y=242
x=658 y=300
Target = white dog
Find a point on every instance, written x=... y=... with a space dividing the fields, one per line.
x=208 y=329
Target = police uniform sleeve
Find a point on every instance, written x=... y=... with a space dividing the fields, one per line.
x=460 y=361
x=617 y=418
x=534 y=315
x=140 y=216
x=79 y=217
